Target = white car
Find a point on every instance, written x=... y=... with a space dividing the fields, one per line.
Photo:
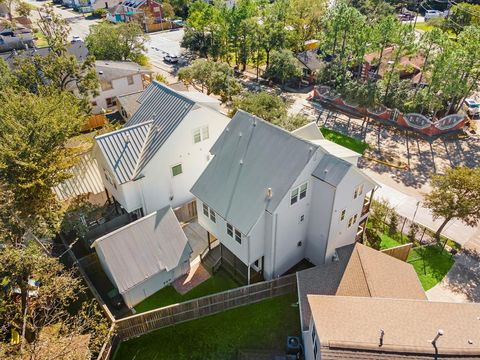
x=75 y=39
x=431 y=14
x=472 y=107
x=171 y=58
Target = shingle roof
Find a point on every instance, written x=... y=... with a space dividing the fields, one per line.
x=359 y=271
x=354 y=323
x=310 y=60
x=110 y=70
x=143 y=248
x=129 y=102
x=251 y=156
x=122 y=149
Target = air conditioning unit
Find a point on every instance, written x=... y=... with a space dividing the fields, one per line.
x=294 y=345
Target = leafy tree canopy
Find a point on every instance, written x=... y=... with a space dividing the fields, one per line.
x=283 y=66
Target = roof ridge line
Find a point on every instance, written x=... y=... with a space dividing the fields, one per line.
x=123 y=129
x=144 y=146
x=370 y=287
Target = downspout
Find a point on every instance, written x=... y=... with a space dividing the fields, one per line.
x=248 y=259
x=274 y=242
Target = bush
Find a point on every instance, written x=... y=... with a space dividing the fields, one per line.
x=412 y=233
x=99 y=13
x=373 y=238
x=393 y=223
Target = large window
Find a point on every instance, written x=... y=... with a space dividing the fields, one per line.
x=298 y=193
x=209 y=213
x=200 y=134
x=238 y=236
x=177 y=170
x=358 y=191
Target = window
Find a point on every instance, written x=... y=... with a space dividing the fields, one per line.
x=354 y=219
x=229 y=230
x=177 y=170
x=298 y=193
x=302 y=217
x=212 y=216
x=358 y=191
x=294 y=196
x=303 y=190
x=342 y=215
x=205 y=210
x=200 y=134
x=130 y=80
x=106 y=85
x=238 y=236
x=111 y=102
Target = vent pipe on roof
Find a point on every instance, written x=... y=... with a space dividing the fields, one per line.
x=269 y=193
x=382 y=334
x=439 y=333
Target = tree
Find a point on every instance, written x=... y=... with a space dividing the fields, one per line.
x=25 y=271
x=268 y=107
x=24 y=9
x=462 y=15
x=214 y=77
x=167 y=10
x=58 y=70
x=379 y=213
x=393 y=223
x=283 y=66
x=120 y=42
x=10 y=6
x=34 y=156
x=455 y=195
x=305 y=17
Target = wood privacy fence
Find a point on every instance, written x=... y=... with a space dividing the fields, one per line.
x=137 y=325
x=399 y=252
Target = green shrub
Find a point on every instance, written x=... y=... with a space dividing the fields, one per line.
x=99 y=13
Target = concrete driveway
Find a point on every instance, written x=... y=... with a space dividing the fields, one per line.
x=462 y=282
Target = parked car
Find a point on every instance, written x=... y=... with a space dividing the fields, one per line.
x=431 y=14
x=472 y=107
x=170 y=58
x=406 y=17
x=75 y=39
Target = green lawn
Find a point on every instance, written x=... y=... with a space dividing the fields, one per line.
x=431 y=264
x=265 y=325
x=423 y=26
x=41 y=39
x=388 y=242
x=221 y=281
x=344 y=140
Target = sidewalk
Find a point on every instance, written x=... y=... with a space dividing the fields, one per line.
x=406 y=205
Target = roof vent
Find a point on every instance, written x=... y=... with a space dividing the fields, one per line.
x=254 y=122
x=100 y=72
x=325 y=171
x=241 y=161
x=126 y=137
x=269 y=193
x=382 y=334
x=240 y=134
x=439 y=333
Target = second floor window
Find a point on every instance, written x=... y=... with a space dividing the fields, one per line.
x=229 y=230
x=238 y=236
x=212 y=216
x=200 y=134
x=298 y=193
x=342 y=215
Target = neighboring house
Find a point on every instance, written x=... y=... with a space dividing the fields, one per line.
x=145 y=256
x=310 y=65
x=358 y=271
x=154 y=160
x=274 y=198
x=19 y=38
x=3 y=11
x=118 y=78
x=347 y=327
x=147 y=12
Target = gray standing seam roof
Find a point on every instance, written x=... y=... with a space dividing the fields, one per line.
x=331 y=169
x=251 y=156
x=122 y=149
x=161 y=110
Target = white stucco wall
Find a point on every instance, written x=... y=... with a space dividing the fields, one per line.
x=120 y=87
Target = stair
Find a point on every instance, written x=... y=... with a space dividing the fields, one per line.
x=211 y=258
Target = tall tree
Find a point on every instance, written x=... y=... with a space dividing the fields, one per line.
x=305 y=17
x=283 y=66
x=455 y=195
x=264 y=105
x=47 y=293
x=34 y=156
x=120 y=42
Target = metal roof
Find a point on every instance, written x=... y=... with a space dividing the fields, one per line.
x=144 y=248
x=166 y=108
x=251 y=156
x=331 y=169
x=122 y=149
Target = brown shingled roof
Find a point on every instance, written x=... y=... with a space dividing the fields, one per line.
x=354 y=323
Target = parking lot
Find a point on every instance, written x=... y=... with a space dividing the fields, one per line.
x=163 y=43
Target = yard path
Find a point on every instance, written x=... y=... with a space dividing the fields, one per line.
x=462 y=283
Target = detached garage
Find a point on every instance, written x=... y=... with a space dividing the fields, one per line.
x=145 y=256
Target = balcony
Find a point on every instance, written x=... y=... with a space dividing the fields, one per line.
x=366 y=204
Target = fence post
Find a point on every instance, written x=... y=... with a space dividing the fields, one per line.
x=401 y=231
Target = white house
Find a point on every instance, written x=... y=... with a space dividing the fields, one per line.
x=154 y=160
x=274 y=198
x=118 y=78
x=145 y=256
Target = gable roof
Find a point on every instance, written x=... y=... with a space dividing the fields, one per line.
x=123 y=148
x=144 y=248
x=251 y=156
x=309 y=59
x=309 y=132
x=159 y=113
x=108 y=70
x=359 y=271
x=331 y=169
x=129 y=102
x=354 y=323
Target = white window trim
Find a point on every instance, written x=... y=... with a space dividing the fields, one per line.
x=204 y=132
x=298 y=190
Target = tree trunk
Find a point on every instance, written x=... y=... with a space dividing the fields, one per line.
x=440 y=229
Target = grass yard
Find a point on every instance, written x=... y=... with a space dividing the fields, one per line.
x=265 y=325
x=344 y=140
x=221 y=281
x=423 y=26
x=431 y=264
x=41 y=40
x=388 y=242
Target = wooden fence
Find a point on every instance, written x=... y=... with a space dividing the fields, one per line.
x=399 y=252
x=140 y=324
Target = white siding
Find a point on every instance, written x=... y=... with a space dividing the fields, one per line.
x=120 y=87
